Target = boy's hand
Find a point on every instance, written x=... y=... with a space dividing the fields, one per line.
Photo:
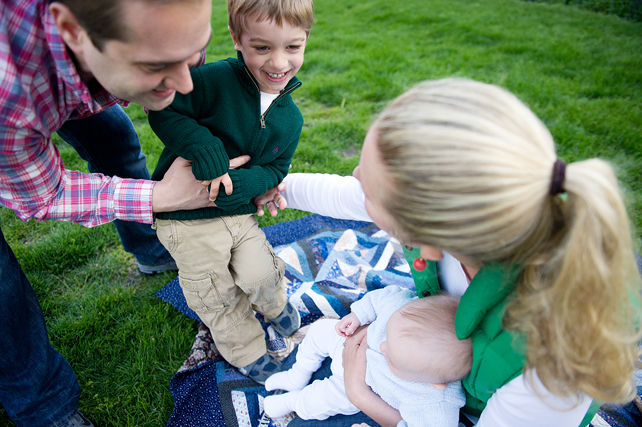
x=215 y=184
x=348 y=325
x=236 y=162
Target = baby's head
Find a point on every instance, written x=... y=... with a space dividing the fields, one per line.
x=421 y=343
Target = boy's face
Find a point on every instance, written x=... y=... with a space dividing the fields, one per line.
x=273 y=54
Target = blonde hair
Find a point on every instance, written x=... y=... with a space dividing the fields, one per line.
x=298 y=13
x=429 y=330
x=475 y=167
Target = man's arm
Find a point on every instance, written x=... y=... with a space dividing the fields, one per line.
x=35 y=184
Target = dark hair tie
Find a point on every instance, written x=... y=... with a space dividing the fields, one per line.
x=557 y=183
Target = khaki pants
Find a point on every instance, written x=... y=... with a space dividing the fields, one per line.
x=226 y=269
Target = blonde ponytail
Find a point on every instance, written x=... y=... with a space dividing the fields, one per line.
x=579 y=301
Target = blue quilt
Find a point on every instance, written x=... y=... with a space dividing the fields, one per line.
x=329 y=264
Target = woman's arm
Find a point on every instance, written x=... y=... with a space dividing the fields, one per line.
x=335 y=196
x=359 y=393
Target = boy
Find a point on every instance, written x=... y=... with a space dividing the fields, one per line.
x=414 y=361
x=227 y=269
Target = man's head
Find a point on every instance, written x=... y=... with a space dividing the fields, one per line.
x=421 y=344
x=271 y=35
x=138 y=50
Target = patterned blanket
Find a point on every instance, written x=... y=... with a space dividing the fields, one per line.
x=329 y=264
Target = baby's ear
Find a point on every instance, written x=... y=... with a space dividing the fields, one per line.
x=440 y=386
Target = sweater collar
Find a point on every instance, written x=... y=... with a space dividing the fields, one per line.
x=491 y=285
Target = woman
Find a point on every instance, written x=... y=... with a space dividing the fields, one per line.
x=539 y=251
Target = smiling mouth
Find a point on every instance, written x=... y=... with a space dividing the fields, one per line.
x=163 y=93
x=276 y=75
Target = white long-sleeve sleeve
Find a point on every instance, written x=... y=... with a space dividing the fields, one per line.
x=330 y=195
x=517 y=404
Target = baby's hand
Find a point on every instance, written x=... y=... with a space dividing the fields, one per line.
x=348 y=325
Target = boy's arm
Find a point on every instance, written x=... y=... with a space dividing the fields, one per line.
x=178 y=128
x=257 y=179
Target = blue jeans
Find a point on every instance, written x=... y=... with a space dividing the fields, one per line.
x=109 y=144
x=37 y=385
x=336 y=420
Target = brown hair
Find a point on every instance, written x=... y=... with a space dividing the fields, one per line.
x=298 y=13
x=103 y=19
x=475 y=165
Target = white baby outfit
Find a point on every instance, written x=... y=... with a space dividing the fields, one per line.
x=419 y=404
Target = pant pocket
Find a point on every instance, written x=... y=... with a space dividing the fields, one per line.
x=201 y=293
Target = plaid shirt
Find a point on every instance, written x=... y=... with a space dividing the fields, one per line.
x=39 y=90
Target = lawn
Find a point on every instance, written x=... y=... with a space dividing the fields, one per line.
x=580 y=72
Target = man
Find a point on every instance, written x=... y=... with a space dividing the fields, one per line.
x=66 y=66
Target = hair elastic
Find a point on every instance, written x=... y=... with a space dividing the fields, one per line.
x=557 y=183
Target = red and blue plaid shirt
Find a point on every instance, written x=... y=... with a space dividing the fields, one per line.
x=40 y=89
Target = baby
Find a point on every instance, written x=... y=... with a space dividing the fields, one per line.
x=414 y=361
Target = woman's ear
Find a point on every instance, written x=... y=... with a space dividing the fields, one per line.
x=69 y=28
x=431 y=253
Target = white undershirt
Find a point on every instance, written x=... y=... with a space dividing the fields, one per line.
x=515 y=403
x=266 y=100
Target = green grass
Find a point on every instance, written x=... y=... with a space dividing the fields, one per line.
x=581 y=72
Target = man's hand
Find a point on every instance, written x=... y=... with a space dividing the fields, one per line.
x=179 y=190
x=346 y=326
x=272 y=200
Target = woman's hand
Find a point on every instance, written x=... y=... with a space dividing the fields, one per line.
x=354 y=377
x=354 y=364
x=272 y=200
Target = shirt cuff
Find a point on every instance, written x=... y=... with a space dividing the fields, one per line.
x=133 y=200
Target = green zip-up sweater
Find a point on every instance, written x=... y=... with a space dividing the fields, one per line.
x=499 y=355
x=221 y=119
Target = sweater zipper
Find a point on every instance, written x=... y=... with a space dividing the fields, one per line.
x=285 y=92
